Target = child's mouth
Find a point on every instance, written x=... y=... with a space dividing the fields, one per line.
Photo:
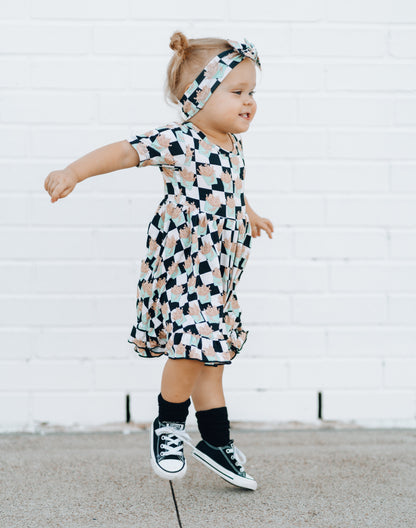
x=245 y=116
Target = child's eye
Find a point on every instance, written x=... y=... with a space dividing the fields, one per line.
x=238 y=92
x=252 y=93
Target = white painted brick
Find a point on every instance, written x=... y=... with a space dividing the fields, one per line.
x=267 y=177
x=14 y=142
x=338 y=42
x=262 y=309
x=14 y=210
x=373 y=278
x=155 y=68
x=144 y=107
x=402 y=244
x=45 y=375
x=80 y=9
x=139 y=373
x=276 y=277
x=14 y=73
x=138 y=181
x=371 y=11
x=132 y=39
x=79 y=408
x=120 y=243
x=16 y=343
x=38 y=108
x=81 y=74
x=72 y=143
x=272 y=40
x=330 y=160
x=81 y=343
x=272 y=406
x=52 y=310
x=405 y=112
x=338 y=111
x=46 y=243
x=85 y=277
x=326 y=373
x=372 y=211
x=330 y=244
x=366 y=406
x=402 y=43
x=403 y=177
x=292 y=76
x=402 y=309
x=382 y=342
x=256 y=374
x=373 y=145
x=280 y=10
x=144 y=406
x=75 y=210
x=51 y=39
x=279 y=247
x=167 y=10
x=290 y=210
x=17 y=278
x=286 y=144
x=15 y=9
x=371 y=77
x=116 y=310
x=340 y=176
x=271 y=342
x=400 y=373
x=14 y=411
x=24 y=174
x=276 y=110
x=337 y=309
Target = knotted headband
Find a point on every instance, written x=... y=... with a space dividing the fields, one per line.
x=213 y=74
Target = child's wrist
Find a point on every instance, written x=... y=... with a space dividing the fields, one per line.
x=73 y=173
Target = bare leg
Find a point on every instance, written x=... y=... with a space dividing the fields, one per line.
x=178 y=379
x=208 y=391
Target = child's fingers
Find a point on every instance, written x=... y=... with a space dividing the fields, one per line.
x=267 y=226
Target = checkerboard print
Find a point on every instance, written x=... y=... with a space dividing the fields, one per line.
x=197 y=245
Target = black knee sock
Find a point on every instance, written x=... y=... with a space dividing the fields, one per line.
x=214 y=426
x=173 y=412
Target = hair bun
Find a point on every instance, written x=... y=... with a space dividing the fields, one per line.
x=179 y=43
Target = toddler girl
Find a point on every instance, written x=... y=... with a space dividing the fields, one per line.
x=197 y=245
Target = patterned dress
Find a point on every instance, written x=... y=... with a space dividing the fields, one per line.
x=197 y=245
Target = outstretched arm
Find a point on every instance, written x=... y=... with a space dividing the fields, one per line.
x=258 y=223
x=112 y=157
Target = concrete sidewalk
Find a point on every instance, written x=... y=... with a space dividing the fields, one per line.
x=315 y=478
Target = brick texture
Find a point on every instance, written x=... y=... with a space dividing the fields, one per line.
x=330 y=302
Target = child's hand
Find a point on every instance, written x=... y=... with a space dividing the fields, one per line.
x=258 y=223
x=60 y=183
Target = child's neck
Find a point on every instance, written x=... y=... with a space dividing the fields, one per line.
x=220 y=138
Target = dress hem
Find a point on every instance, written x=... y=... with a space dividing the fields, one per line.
x=152 y=352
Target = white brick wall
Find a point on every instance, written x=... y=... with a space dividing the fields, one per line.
x=330 y=302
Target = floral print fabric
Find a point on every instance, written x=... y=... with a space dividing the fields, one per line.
x=197 y=245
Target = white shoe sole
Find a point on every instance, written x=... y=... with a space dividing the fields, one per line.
x=174 y=475
x=229 y=476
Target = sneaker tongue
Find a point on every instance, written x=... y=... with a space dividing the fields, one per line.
x=174 y=425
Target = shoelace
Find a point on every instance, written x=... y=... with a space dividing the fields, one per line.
x=171 y=441
x=239 y=456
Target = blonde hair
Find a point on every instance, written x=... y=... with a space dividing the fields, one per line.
x=188 y=61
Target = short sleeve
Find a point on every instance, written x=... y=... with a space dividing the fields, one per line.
x=161 y=147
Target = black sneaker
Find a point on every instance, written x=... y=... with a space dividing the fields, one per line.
x=226 y=461
x=166 y=449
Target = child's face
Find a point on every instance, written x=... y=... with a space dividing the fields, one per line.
x=231 y=107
